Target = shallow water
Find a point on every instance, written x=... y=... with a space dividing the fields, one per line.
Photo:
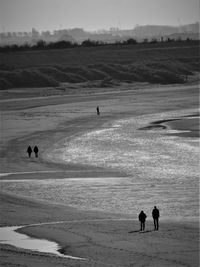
x=9 y=236
x=162 y=170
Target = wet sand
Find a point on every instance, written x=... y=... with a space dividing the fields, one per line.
x=102 y=243
x=189 y=126
x=103 y=239
x=186 y=126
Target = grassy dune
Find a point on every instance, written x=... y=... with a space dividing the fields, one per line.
x=163 y=63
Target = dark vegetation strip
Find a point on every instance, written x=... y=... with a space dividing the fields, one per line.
x=163 y=63
x=42 y=45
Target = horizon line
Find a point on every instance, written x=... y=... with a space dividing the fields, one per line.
x=102 y=29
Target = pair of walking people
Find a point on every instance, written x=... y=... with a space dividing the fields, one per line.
x=35 y=149
x=155 y=214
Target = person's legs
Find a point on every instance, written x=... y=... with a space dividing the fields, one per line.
x=157 y=224
x=154 y=221
x=140 y=226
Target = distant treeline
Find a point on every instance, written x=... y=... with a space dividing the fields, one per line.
x=40 y=45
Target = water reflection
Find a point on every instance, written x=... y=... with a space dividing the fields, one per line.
x=9 y=236
x=162 y=170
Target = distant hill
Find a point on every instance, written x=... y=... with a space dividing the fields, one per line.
x=151 y=31
x=184 y=36
x=139 y=33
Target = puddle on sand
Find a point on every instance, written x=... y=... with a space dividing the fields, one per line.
x=9 y=236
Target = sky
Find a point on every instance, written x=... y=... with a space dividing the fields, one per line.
x=23 y=15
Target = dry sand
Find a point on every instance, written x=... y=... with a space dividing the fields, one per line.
x=101 y=242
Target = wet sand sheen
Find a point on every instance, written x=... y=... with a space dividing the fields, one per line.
x=85 y=192
x=115 y=243
x=101 y=240
x=188 y=126
x=161 y=167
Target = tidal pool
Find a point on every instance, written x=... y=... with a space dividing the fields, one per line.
x=9 y=236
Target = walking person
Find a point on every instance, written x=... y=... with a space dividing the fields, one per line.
x=29 y=151
x=142 y=218
x=98 y=112
x=156 y=215
x=36 y=150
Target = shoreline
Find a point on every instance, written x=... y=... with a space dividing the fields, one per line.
x=182 y=125
x=23 y=241
x=45 y=166
x=112 y=244
x=117 y=237
x=60 y=136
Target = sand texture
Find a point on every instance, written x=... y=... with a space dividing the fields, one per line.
x=101 y=238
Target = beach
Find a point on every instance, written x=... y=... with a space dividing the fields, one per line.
x=99 y=235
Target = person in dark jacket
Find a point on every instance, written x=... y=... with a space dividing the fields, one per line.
x=142 y=218
x=36 y=150
x=29 y=151
x=156 y=215
x=98 y=112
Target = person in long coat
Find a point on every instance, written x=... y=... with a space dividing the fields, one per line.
x=142 y=218
x=36 y=150
x=156 y=215
x=29 y=151
x=98 y=112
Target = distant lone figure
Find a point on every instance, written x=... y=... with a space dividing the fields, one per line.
x=142 y=217
x=98 y=112
x=36 y=150
x=156 y=215
x=29 y=151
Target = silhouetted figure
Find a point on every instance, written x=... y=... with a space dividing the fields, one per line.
x=36 y=150
x=29 y=151
x=98 y=112
x=155 y=215
x=142 y=217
